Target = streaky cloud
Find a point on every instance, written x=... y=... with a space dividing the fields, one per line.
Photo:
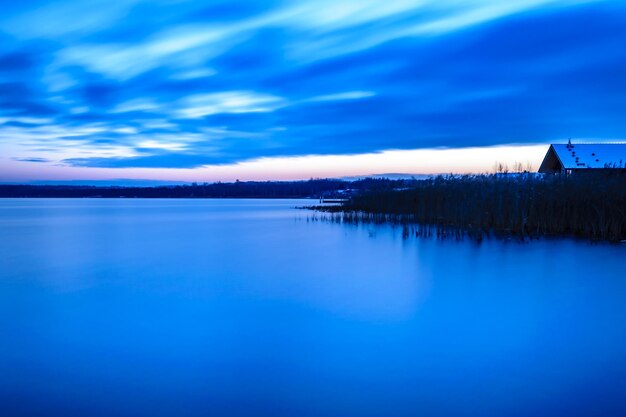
x=201 y=105
x=32 y=159
x=190 y=84
x=348 y=95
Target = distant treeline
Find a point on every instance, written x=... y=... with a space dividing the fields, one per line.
x=591 y=205
x=314 y=188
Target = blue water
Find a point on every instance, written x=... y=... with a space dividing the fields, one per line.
x=248 y=307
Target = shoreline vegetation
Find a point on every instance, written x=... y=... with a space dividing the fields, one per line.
x=314 y=188
x=590 y=205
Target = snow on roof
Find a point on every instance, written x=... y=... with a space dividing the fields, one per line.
x=590 y=155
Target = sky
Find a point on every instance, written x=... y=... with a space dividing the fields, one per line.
x=220 y=90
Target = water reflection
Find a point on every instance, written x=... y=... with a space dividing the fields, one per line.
x=242 y=307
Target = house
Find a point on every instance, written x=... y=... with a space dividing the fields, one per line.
x=584 y=156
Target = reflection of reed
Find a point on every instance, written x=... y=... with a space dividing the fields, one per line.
x=410 y=227
x=591 y=205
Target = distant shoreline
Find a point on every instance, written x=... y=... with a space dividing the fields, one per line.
x=591 y=205
x=314 y=188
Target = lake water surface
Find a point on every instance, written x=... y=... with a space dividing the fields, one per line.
x=246 y=307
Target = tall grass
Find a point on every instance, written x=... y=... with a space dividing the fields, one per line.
x=591 y=205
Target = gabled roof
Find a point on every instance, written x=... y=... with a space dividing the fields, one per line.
x=585 y=156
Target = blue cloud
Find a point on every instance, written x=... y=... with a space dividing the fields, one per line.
x=32 y=159
x=186 y=84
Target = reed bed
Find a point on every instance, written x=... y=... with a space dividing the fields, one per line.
x=590 y=205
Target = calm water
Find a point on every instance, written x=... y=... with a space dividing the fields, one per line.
x=243 y=307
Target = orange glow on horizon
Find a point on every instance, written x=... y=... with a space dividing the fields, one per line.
x=418 y=161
